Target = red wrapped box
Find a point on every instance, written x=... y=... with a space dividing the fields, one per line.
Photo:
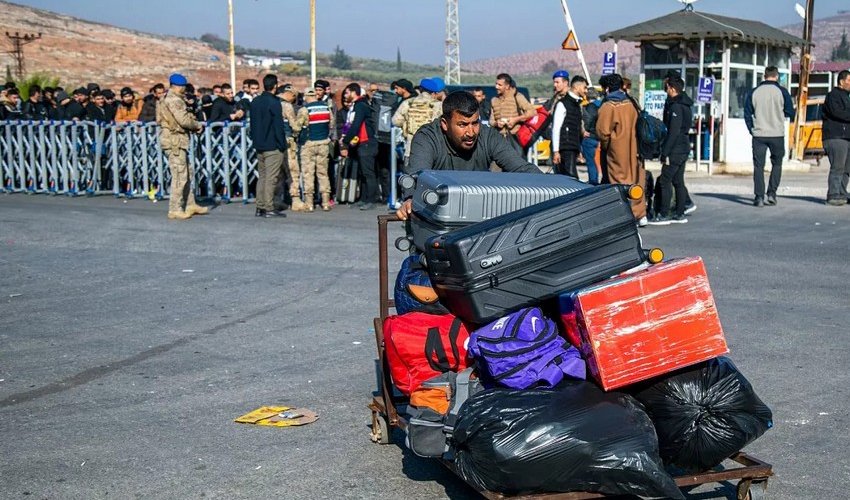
x=641 y=325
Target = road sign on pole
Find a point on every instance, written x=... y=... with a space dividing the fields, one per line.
x=609 y=63
x=706 y=89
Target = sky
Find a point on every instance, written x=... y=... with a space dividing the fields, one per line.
x=375 y=28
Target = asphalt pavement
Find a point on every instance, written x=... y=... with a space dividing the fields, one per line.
x=129 y=343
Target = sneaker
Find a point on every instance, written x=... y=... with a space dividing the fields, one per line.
x=259 y=212
x=678 y=219
x=367 y=206
x=643 y=222
x=836 y=202
x=275 y=213
x=771 y=200
x=758 y=202
x=689 y=209
x=660 y=220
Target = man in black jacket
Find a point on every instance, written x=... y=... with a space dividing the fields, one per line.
x=836 y=139
x=34 y=108
x=76 y=108
x=678 y=116
x=457 y=141
x=148 y=113
x=362 y=148
x=270 y=143
x=224 y=108
x=567 y=128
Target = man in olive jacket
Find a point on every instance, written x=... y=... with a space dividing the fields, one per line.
x=175 y=124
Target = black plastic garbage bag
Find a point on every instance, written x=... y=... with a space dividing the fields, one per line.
x=574 y=437
x=704 y=414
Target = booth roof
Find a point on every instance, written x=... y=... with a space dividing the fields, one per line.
x=690 y=25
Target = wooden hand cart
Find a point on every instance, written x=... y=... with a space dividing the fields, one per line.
x=752 y=474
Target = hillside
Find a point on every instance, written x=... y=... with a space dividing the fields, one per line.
x=826 y=33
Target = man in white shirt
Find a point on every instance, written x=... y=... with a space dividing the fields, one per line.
x=566 y=128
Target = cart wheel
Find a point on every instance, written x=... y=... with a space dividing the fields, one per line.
x=752 y=490
x=380 y=429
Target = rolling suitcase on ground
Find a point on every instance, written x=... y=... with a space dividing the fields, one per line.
x=444 y=200
x=486 y=270
x=346 y=181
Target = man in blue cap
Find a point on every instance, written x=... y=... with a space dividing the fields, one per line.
x=561 y=86
x=413 y=113
x=175 y=123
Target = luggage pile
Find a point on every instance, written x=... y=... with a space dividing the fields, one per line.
x=544 y=350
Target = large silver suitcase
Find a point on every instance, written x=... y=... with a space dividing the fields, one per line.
x=444 y=200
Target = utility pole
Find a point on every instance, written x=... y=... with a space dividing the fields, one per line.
x=452 y=44
x=18 y=41
x=232 y=46
x=312 y=41
x=569 y=19
x=803 y=87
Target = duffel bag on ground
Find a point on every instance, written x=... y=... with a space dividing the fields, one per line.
x=524 y=349
x=420 y=346
x=704 y=413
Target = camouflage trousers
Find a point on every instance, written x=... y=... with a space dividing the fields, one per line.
x=314 y=165
x=181 y=180
x=294 y=176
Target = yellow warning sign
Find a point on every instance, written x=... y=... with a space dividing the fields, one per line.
x=570 y=43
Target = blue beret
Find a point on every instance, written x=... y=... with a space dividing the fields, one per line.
x=428 y=85
x=441 y=85
x=562 y=74
x=177 y=79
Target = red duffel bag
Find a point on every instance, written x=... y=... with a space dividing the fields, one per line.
x=420 y=346
x=531 y=128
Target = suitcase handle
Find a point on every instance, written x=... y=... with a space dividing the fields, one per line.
x=555 y=236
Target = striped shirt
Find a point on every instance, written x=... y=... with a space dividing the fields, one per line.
x=318 y=126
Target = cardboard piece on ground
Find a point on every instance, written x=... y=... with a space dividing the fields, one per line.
x=270 y=415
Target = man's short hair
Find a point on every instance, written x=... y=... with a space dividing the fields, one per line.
x=158 y=86
x=354 y=87
x=615 y=82
x=246 y=81
x=771 y=72
x=225 y=86
x=843 y=74
x=218 y=86
x=507 y=79
x=322 y=84
x=96 y=93
x=676 y=83
x=13 y=91
x=577 y=79
x=461 y=101
x=34 y=89
x=477 y=89
x=254 y=82
x=269 y=82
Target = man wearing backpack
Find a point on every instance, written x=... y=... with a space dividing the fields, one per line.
x=765 y=111
x=678 y=116
x=616 y=128
x=413 y=113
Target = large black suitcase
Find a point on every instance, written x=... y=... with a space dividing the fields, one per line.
x=486 y=270
x=444 y=200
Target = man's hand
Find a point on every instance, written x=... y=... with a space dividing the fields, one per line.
x=404 y=210
x=586 y=134
x=556 y=158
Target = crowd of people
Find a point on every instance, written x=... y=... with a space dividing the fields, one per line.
x=314 y=137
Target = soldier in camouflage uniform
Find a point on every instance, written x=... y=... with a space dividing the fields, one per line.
x=175 y=123
x=418 y=111
x=291 y=128
x=319 y=121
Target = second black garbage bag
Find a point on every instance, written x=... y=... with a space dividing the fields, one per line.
x=574 y=437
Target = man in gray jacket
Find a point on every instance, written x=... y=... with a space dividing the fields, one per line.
x=765 y=111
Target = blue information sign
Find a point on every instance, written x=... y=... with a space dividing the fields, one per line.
x=609 y=63
x=706 y=90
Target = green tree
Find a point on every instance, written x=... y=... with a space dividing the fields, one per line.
x=549 y=66
x=841 y=52
x=39 y=79
x=340 y=60
x=398 y=60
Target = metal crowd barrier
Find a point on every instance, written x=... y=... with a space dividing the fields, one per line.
x=73 y=158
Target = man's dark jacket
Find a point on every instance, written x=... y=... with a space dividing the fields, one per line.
x=221 y=110
x=430 y=150
x=148 y=113
x=267 y=123
x=570 y=134
x=35 y=110
x=836 y=115
x=678 y=117
x=362 y=114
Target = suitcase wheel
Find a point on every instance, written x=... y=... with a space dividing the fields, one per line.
x=654 y=255
x=635 y=192
x=380 y=429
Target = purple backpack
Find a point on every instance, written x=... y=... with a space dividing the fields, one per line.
x=523 y=350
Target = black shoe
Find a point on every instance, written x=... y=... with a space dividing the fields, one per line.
x=259 y=213
x=679 y=219
x=771 y=200
x=758 y=202
x=660 y=220
x=275 y=213
x=689 y=209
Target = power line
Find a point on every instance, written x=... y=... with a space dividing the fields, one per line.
x=18 y=42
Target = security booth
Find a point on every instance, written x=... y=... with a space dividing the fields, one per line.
x=731 y=54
